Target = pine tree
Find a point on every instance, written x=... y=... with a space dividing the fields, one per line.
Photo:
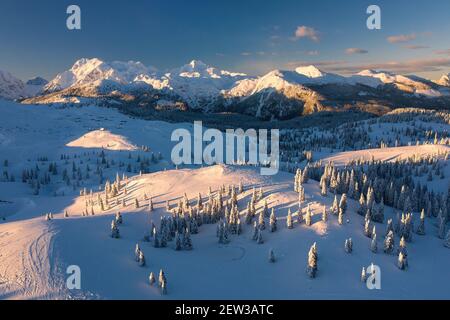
x=114 y=230
x=273 y=221
x=311 y=268
x=441 y=229
x=255 y=231
x=324 y=214
x=187 y=242
x=447 y=240
x=164 y=288
x=137 y=250
x=308 y=216
x=178 y=245
x=261 y=223
x=348 y=245
x=141 y=258
x=151 y=278
x=343 y=203
x=289 y=223
x=161 y=278
x=335 y=207
x=118 y=218
x=363 y=275
x=389 y=243
x=341 y=216
x=374 y=244
x=421 y=227
x=271 y=256
x=402 y=262
x=259 y=238
x=367 y=230
x=402 y=247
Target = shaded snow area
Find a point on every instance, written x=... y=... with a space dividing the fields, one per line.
x=67 y=172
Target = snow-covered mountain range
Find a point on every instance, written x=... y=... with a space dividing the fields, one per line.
x=198 y=86
x=12 y=88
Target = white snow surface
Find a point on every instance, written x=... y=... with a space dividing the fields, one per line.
x=35 y=253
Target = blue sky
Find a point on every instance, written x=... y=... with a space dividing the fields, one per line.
x=239 y=35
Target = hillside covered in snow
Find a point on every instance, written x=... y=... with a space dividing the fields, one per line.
x=94 y=188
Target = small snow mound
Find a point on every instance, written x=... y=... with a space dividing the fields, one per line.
x=102 y=139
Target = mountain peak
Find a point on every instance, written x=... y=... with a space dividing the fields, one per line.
x=37 y=81
x=310 y=71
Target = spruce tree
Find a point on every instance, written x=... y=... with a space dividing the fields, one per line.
x=308 y=216
x=151 y=278
x=374 y=244
x=311 y=268
x=402 y=262
x=141 y=258
x=348 y=245
x=273 y=221
x=271 y=256
x=289 y=223
x=389 y=243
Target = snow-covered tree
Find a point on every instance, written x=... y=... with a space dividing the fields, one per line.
x=324 y=214
x=271 y=256
x=447 y=240
x=137 y=250
x=178 y=243
x=308 y=216
x=343 y=203
x=273 y=221
x=421 y=227
x=259 y=238
x=187 y=242
x=118 y=218
x=389 y=243
x=348 y=245
x=114 y=230
x=374 y=244
x=311 y=268
x=161 y=278
x=255 y=231
x=289 y=222
x=335 y=207
x=363 y=275
x=402 y=262
x=441 y=228
x=261 y=222
x=141 y=258
x=341 y=216
x=151 y=278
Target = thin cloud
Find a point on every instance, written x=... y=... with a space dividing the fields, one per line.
x=408 y=66
x=246 y=54
x=356 y=51
x=444 y=52
x=401 y=38
x=415 y=47
x=307 y=32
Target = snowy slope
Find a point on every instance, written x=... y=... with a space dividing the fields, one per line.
x=10 y=87
x=35 y=252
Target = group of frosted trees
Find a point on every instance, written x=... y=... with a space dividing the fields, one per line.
x=298 y=145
